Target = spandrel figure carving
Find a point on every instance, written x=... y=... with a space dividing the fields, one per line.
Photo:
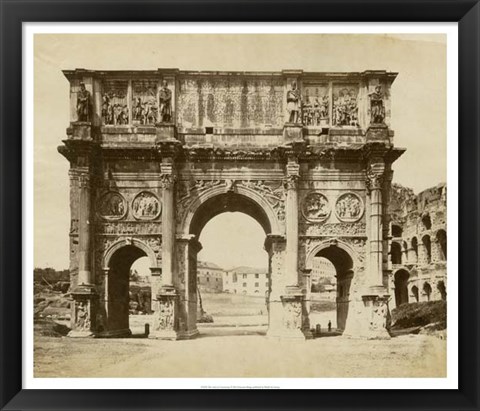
x=165 y=97
x=377 y=108
x=83 y=104
x=293 y=104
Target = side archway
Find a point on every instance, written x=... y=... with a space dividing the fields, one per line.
x=344 y=259
x=148 y=252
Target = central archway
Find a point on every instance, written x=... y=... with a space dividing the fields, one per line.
x=206 y=211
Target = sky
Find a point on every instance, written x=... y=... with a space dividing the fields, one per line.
x=418 y=111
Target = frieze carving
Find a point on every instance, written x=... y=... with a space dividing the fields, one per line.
x=335 y=229
x=146 y=206
x=114 y=102
x=349 y=207
x=82 y=316
x=145 y=109
x=129 y=228
x=166 y=315
x=112 y=206
x=315 y=207
x=345 y=108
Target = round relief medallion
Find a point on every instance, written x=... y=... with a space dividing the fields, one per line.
x=315 y=207
x=112 y=206
x=349 y=207
x=146 y=206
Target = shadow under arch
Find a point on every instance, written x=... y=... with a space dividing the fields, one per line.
x=344 y=258
x=148 y=252
x=118 y=260
x=218 y=200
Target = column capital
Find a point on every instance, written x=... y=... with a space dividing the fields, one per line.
x=167 y=181
x=375 y=177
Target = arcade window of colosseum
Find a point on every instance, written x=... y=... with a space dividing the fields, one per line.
x=427 y=244
x=426 y=222
x=442 y=244
x=396 y=253
x=415 y=249
x=396 y=231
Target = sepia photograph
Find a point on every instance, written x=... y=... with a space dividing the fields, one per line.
x=240 y=205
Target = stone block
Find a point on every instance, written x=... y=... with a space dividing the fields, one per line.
x=165 y=131
x=377 y=132
x=80 y=130
x=293 y=133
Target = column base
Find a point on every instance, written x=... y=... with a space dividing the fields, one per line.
x=376 y=312
x=80 y=334
x=165 y=325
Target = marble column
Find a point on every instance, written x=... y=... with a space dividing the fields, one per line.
x=167 y=298
x=83 y=307
x=293 y=300
x=375 y=297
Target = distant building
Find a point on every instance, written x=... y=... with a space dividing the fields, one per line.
x=323 y=271
x=246 y=280
x=210 y=277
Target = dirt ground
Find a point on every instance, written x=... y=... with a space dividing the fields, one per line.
x=223 y=350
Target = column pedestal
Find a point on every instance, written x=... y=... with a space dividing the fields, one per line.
x=293 y=133
x=165 y=131
x=83 y=309
x=80 y=130
x=166 y=318
x=376 y=312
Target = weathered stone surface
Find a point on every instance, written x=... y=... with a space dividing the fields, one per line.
x=308 y=155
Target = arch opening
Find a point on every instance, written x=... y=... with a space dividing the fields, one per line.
x=426 y=222
x=228 y=202
x=401 y=287
x=427 y=244
x=343 y=266
x=415 y=293
x=442 y=244
x=118 y=289
x=442 y=290
x=396 y=253
x=415 y=249
x=396 y=231
x=233 y=270
x=427 y=291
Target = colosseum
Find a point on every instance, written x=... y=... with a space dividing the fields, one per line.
x=418 y=249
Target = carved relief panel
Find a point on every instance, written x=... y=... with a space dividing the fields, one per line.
x=345 y=105
x=315 y=207
x=349 y=207
x=230 y=102
x=144 y=102
x=114 y=102
x=146 y=206
x=111 y=206
x=316 y=105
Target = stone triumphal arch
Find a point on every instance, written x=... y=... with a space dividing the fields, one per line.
x=154 y=155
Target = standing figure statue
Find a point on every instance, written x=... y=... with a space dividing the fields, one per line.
x=165 y=97
x=377 y=108
x=83 y=104
x=293 y=103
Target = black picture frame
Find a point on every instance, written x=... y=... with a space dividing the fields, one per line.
x=14 y=13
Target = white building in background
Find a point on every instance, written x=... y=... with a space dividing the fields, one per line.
x=246 y=281
x=323 y=271
x=210 y=277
